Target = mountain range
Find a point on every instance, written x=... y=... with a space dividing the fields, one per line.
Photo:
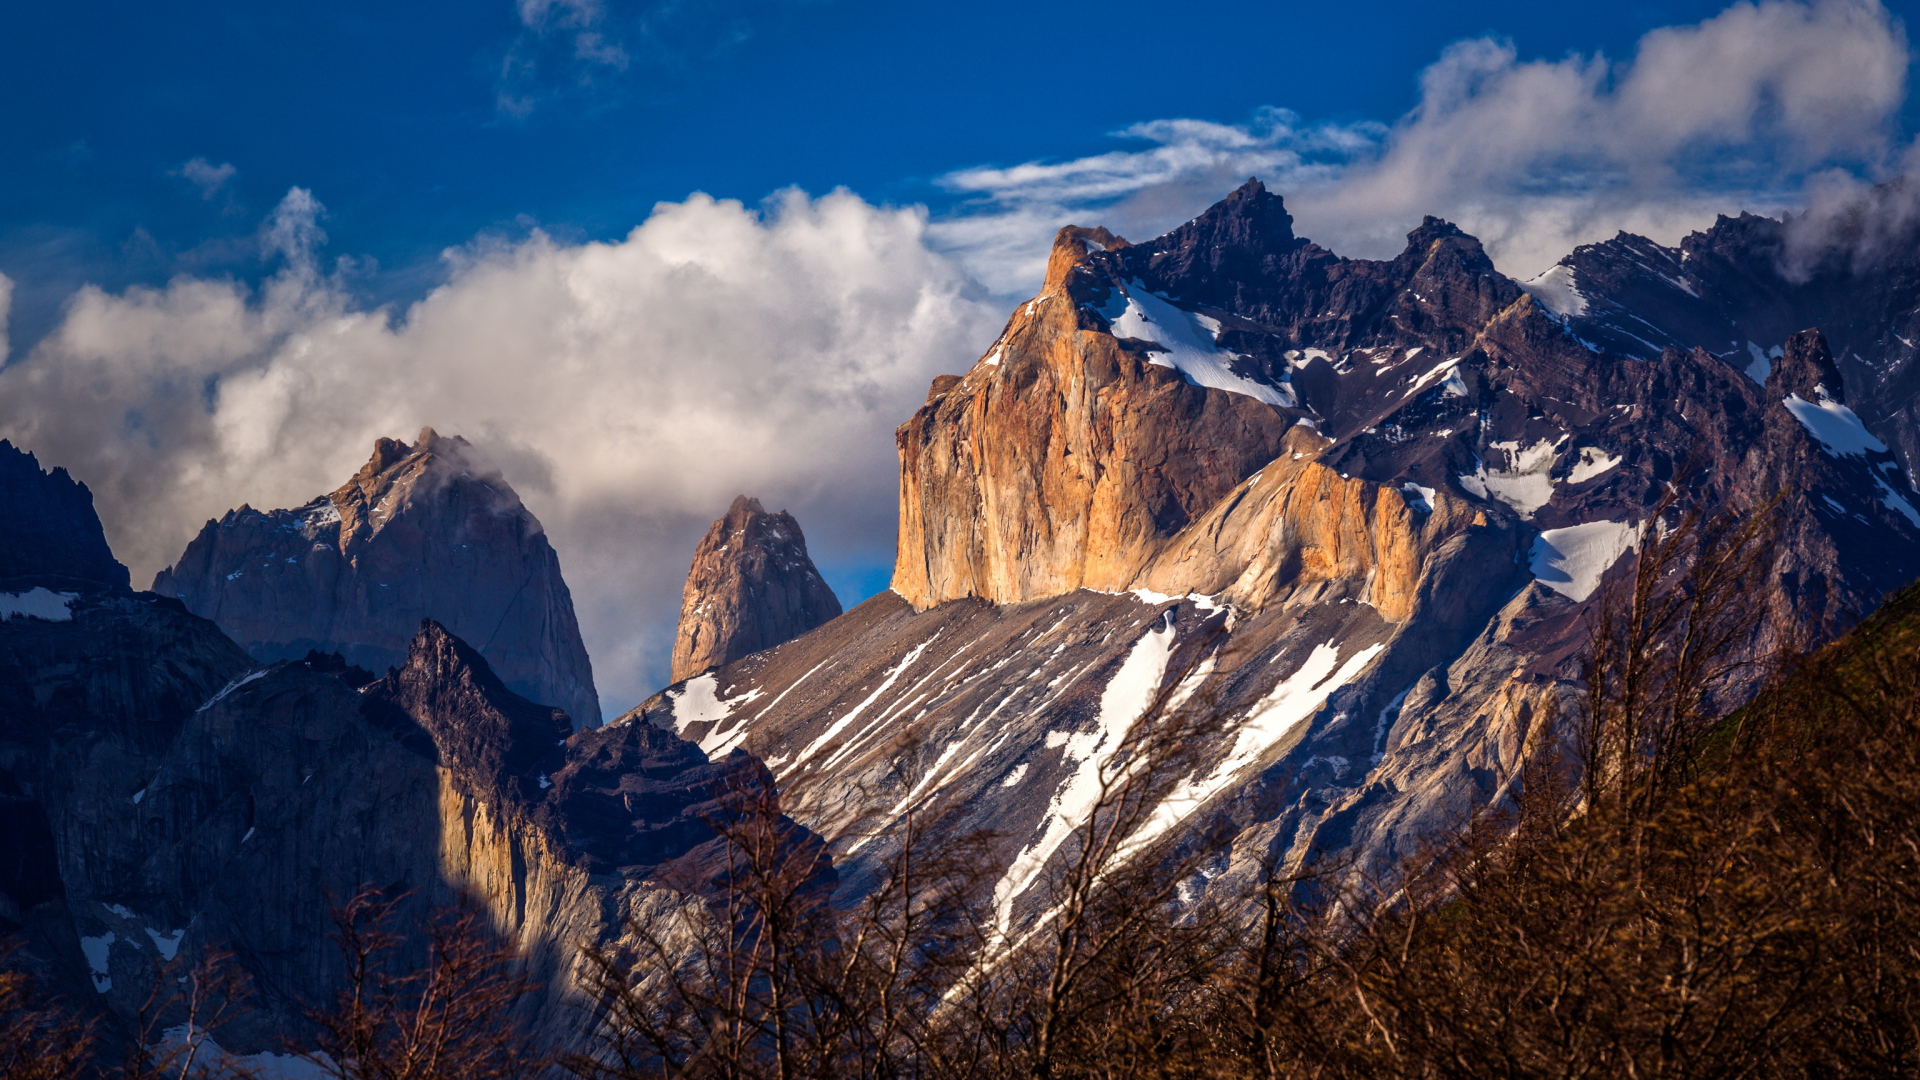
x=1346 y=522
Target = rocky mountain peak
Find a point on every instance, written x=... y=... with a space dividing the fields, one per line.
x=1227 y=249
x=398 y=474
x=1072 y=245
x=422 y=530
x=50 y=536
x=1437 y=236
x=752 y=586
x=1806 y=368
x=1250 y=218
x=489 y=737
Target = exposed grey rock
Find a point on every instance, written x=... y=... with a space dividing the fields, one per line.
x=751 y=587
x=163 y=794
x=213 y=807
x=1350 y=516
x=50 y=537
x=422 y=531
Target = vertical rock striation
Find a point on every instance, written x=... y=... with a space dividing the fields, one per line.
x=421 y=531
x=752 y=586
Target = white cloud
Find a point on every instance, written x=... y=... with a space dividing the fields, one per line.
x=293 y=231
x=582 y=21
x=6 y=311
x=1534 y=157
x=1003 y=234
x=205 y=175
x=629 y=390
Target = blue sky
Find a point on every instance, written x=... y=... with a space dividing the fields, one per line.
x=392 y=114
x=649 y=256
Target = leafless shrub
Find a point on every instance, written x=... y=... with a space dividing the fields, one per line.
x=40 y=1039
x=174 y=1030
x=452 y=1019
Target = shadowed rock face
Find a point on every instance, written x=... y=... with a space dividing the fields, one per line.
x=420 y=531
x=162 y=795
x=1741 y=288
x=1349 y=516
x=49 y=536
x=751 y=587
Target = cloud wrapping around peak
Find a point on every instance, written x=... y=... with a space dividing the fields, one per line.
x=629 y=390
x=1534 y=157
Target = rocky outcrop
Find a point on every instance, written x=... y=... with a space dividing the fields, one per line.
x=50 y=538
x=1350 y=516
x=752 y=586
x=167 y=801
x=1740 y=289
x=164 y=795
x=421 y=531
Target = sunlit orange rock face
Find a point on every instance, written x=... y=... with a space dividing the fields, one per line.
x=1067 y=460
x=1064 y=460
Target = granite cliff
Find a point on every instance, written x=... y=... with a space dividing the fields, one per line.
x=752 y=586
x=1351 y=516
x=50 y=538
x=164 y=794
x=421 y=531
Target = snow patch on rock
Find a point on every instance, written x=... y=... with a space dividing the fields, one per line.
x=38 y=603
x=1268 y=723
x=1834 y=425
x=833 y=730
x=167 y=944
x=1570 y=561
x=235 y=685
x=1086 y=756
x=1593 y=461
x=97 y=951
x=1186 y=342
x=1896 y=501
x=1525 y=482
x=1558 y=290
x=698 y=701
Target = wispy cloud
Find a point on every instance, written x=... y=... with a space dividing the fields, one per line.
x=292 y=232
x=1002 y=230
x=1535 y=157
x=569 y=47
x=6 y=312
x=205 y=175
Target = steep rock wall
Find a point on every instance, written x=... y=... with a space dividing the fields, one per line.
x=421 y=531
x=751 y=587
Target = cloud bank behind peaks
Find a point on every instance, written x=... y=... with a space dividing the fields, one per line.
x=628 y=390
x=1534 y=157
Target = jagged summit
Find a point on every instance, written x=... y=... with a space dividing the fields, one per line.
x=752 y=586
x=422 y=530
x=489 y=738
x=1741 y=288
x=1355 y=512
x=50 y=536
